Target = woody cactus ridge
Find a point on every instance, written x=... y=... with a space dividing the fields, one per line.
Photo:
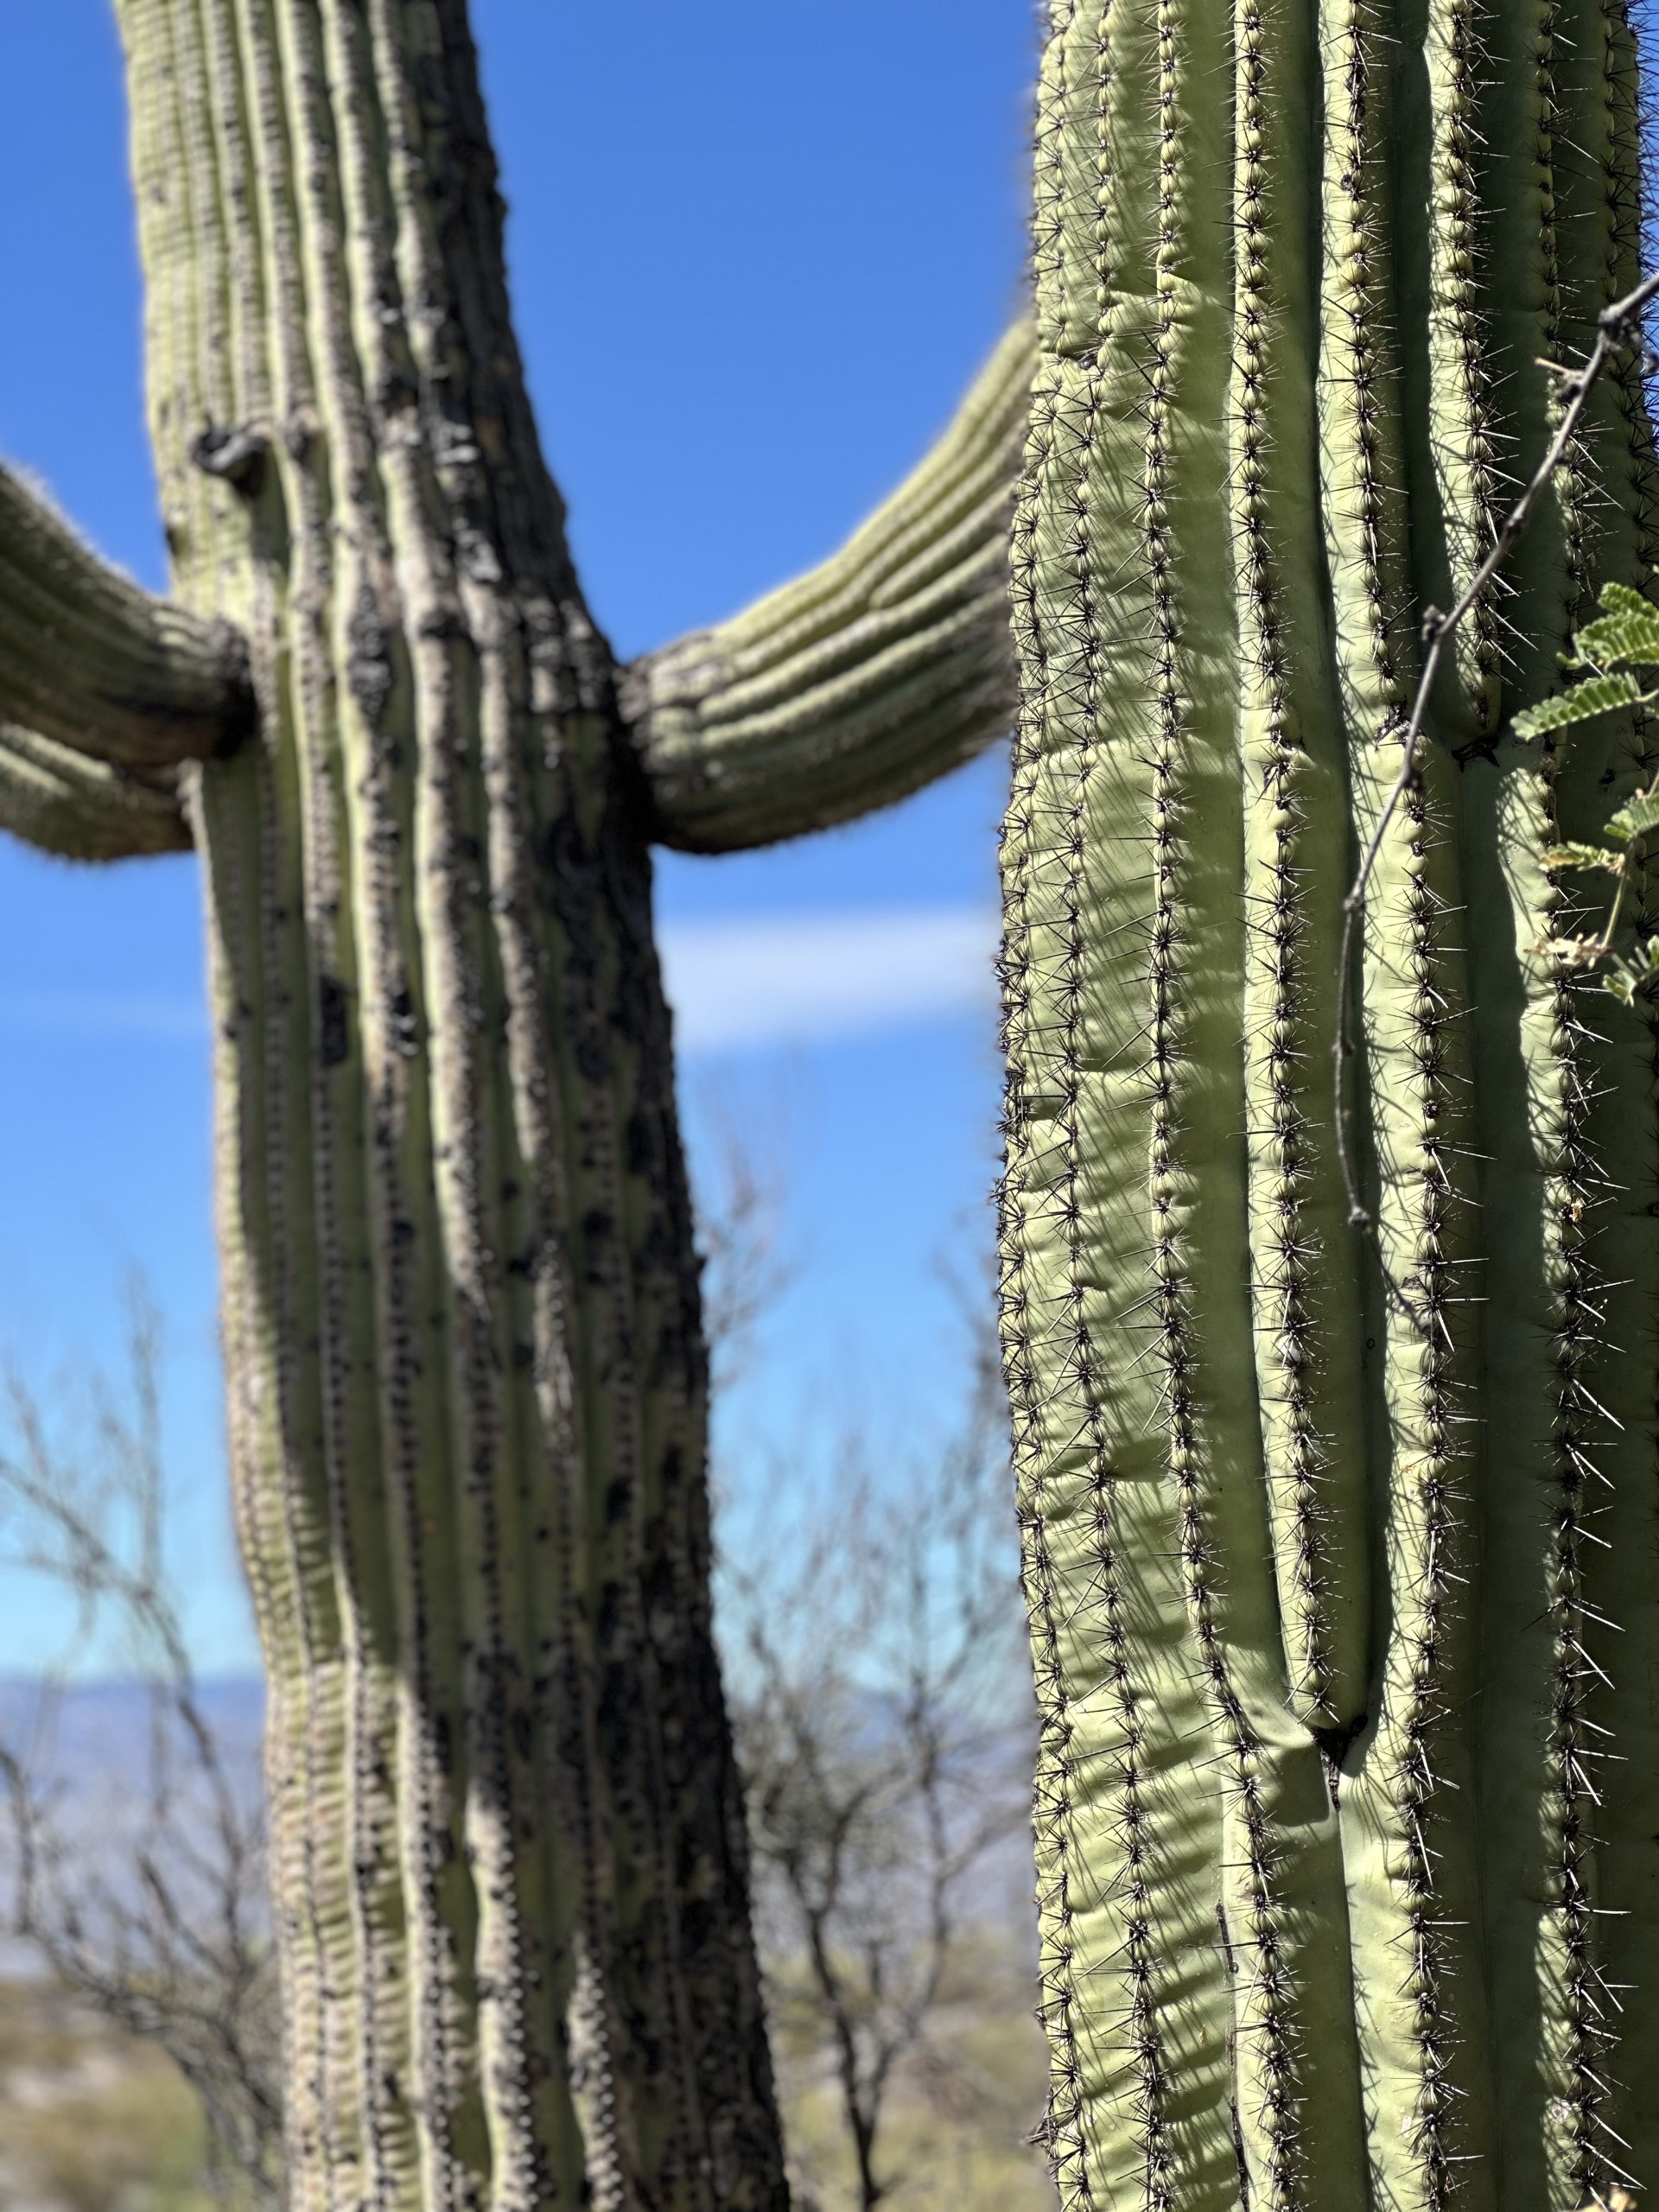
x=466 y=1378
x=1340 y=1549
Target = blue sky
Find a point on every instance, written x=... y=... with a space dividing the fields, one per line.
x=757 y=251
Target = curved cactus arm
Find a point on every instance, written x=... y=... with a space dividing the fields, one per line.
x=85 y=809
x=96 y=665
x=862 y=680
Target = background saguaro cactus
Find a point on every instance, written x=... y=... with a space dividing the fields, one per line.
x=1341 y=1552
x=466 y=1377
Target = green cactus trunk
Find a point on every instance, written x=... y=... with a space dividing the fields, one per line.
x=1342 y=1597
x=466 y=1378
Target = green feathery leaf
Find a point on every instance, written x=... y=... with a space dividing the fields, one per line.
x=1637 y=819
x=1628 y=631
x=1627 y=977
x=1597 y=694
x=1576 y=855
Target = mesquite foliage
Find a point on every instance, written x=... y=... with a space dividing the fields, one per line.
x=1342 y=1552
x=466 y=1375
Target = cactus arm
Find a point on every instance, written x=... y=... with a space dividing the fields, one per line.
x=858 y=682
x=84 y=810
x=93 y=663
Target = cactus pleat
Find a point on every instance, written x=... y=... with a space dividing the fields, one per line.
x=1339 y=1550
x=1295 y=848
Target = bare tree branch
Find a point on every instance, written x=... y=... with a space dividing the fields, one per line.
x=880 y=1698
x=153 y=1912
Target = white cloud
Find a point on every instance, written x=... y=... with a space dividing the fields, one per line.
x=768 y=979
x=89 y=1014
x=762 y=979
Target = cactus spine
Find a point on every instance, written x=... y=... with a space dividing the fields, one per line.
x=1340 y=1556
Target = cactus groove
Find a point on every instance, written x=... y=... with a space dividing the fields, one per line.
x=1340 y=1556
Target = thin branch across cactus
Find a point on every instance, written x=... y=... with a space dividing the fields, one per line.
x=1618 y=329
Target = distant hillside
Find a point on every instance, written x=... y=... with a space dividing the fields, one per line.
x=102 y=1728
x=95 y=1755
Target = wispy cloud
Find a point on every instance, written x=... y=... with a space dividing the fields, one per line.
x=759 y=979
x=88 y=1014
x=767 y=979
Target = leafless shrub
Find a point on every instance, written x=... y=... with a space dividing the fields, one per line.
x=883 y=1719
x=739 y=1237
x=142 y=1892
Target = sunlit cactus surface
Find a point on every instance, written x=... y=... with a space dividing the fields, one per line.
x=1341 y=1547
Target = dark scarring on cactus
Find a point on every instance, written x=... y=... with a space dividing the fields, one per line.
x=1341 y=1555
x=465 y=1375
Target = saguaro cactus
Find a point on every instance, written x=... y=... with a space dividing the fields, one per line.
x=466 y=1380
x=1342 y=1551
